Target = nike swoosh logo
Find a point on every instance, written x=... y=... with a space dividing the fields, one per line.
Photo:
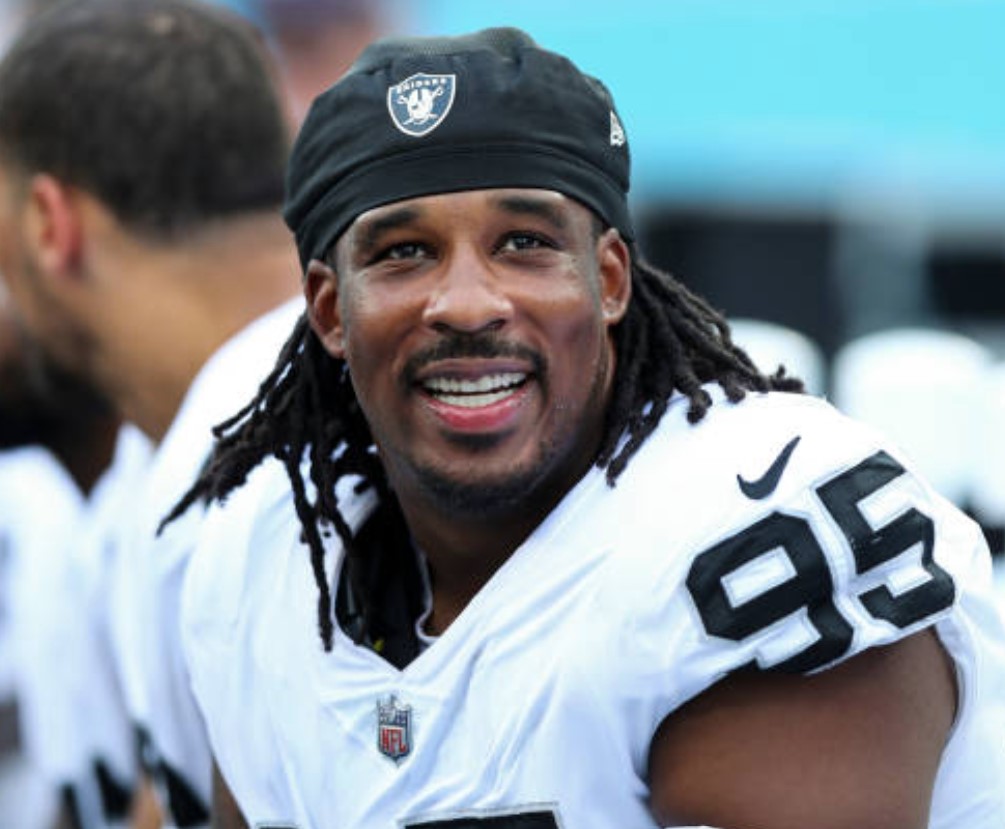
x=765 y=485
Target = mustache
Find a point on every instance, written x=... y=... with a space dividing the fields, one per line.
x=459 y=346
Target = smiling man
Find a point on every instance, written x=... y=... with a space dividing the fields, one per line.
x=574 y=560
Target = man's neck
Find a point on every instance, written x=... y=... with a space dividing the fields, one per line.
x=463 y=553
x=210 y=289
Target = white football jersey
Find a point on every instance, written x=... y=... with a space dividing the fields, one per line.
x=105 y=727
x=26 y=798
x=151 y=570
x=44 y=510
x=74 y=720
x=775 y=531
x=40 y=510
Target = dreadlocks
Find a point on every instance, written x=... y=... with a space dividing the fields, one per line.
x=670 y=341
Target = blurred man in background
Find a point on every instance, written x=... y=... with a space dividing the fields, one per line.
x=317 y=40
x=56 y=441
x=142 y=150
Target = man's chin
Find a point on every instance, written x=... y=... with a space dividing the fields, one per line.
x=484 y=497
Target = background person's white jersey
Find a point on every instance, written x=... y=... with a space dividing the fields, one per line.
x=542 y=698
x=40 y=511
x=103 y=731
x=73 y=719
x=151 y=571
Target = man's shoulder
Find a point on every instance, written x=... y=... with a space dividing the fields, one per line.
x=751 y=446
x=766 y=413
x=780 y=533
x=773 y=471
x=248 y=543
x=223 y=556
x=252 y=517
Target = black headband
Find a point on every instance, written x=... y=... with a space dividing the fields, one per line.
x=419 y=116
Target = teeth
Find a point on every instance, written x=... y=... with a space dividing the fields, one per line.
x=474 y=393
x=473 y=401
x=491 y=382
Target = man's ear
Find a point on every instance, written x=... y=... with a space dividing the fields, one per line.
x=615 y=266
x=323 y=308
x=53 y=223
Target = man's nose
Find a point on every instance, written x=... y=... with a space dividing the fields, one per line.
x=469 y=296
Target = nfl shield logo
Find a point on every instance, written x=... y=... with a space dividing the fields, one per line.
x=394 y=729
x=419 y=103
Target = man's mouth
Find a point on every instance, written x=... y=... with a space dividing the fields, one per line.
x=474 y=393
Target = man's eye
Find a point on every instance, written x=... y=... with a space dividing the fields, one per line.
x=525 y=241
x=404 y=250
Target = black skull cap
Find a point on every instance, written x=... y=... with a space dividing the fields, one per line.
x=417 y=116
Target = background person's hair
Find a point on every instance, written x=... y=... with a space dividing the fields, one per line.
x=165 y=110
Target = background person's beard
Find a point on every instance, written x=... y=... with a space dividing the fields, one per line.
x=40 y=403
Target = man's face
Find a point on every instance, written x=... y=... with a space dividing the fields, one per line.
x=476 y=327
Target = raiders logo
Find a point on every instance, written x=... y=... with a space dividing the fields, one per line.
x=419 y=103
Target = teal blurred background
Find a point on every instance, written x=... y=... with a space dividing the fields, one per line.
x=832 y=167
x=838 y=167
x=798 y=102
